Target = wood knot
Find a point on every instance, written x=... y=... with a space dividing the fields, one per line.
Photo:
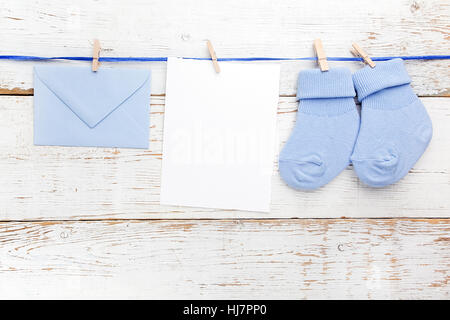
x=414 y=6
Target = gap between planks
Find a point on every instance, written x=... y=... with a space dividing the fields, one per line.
x=256 y=220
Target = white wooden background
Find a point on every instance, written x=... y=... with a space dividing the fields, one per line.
x=86 y=222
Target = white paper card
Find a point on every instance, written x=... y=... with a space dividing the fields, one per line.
x=219 y=134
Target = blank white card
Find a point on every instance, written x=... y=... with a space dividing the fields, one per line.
x=219 y=134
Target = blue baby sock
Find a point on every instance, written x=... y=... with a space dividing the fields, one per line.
x=395 y=127
x=322 y=140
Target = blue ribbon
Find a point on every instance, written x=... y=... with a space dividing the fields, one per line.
x=144 y=59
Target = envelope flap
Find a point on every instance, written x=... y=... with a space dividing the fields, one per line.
x=92 y=96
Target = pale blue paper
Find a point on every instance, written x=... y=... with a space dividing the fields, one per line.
x=74 y=106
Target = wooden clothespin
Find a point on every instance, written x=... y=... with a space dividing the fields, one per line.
x=213 y=56
x=360 y=52
x=96 y=55
x=321 y=57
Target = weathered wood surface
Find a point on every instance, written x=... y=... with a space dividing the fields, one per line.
x=353 y=259
x=40 y=182
x=237 y=29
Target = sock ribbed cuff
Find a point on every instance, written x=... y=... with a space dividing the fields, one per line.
x=334 y=83
x=386 y=74
x=327 y=107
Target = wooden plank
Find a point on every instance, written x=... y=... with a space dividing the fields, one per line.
x=39 y=182
x=237 y=28
x=295 y=259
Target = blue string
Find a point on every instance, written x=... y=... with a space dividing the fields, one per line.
x=143 y=59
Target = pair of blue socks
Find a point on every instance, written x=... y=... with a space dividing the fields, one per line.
x=383 y=143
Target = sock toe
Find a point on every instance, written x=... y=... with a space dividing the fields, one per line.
x=377 y=172
x=302 y=173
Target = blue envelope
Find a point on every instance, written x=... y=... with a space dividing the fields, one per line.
x=74 y=106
